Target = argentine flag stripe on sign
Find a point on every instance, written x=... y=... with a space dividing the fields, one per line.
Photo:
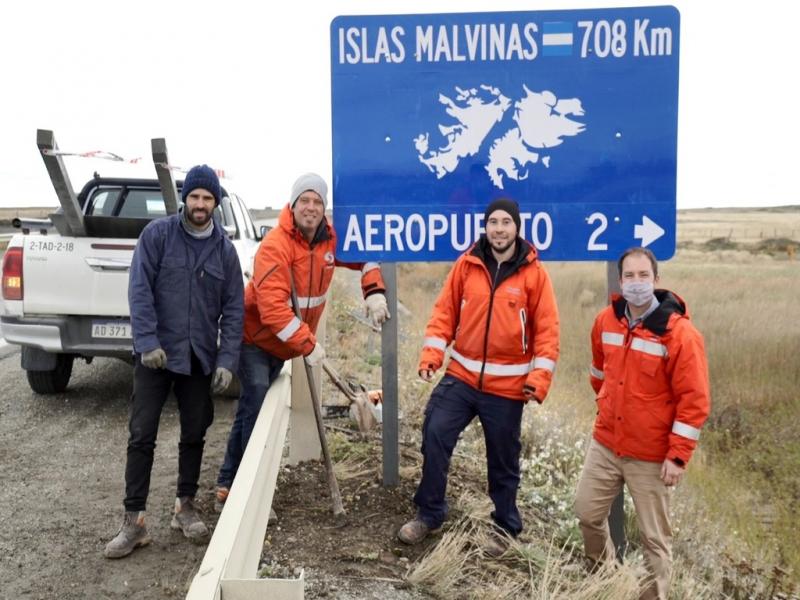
x=557 y=38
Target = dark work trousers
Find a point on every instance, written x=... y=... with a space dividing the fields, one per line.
x=452 y=406
x=257 y=371
x=150 y=390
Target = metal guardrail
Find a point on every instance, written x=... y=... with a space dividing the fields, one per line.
x=230 y=565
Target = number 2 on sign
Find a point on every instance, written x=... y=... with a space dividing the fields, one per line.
x=594 y=217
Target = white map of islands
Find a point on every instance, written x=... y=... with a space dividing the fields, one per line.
x=542 y=122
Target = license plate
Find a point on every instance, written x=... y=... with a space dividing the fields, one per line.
x=111 y=330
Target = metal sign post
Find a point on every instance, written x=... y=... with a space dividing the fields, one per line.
x=391 y=448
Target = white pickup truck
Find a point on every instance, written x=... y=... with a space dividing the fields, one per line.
x=65 y=296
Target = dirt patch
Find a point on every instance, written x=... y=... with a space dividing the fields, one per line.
x=353 y=556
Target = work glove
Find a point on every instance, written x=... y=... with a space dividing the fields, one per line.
x=377 y=309
x=221 y=381
x=154 y=359
x=426 y=374
x=530 y=393
x=316 y=356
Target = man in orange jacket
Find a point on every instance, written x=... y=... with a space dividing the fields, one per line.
x=300 y=249
x=650 y=374
x=498 y=310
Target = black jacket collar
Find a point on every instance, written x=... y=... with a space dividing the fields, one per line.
x=658 y=320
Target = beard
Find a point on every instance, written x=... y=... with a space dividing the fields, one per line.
x=199 y=217
x=501 y=246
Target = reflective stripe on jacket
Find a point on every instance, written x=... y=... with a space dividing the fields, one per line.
x=651 y=382
x=503 y=336
x=270 y=322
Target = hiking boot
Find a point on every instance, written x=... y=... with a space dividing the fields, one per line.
x=131 y=535
x=496 y=545
x=220 y=498
x=186 y=520
x=413 y=532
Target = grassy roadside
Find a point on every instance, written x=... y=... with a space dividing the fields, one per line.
x=735 y=527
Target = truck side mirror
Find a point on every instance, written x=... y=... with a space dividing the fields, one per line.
x=230 y=231
x=264 y=230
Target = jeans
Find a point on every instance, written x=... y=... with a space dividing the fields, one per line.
x=196 y=408
x=257 y=371
x=452 y=406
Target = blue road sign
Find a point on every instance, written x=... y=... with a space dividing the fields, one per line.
x=573 y=114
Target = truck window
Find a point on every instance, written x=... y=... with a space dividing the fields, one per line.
x=143 y=204
x=249 y=225
x=244 y=230
x=104 y=202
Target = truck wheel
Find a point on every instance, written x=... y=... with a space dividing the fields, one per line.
x=52 y=381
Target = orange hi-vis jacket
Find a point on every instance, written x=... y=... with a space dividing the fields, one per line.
x=651 y=381
x=269 y=320
x=504 y=334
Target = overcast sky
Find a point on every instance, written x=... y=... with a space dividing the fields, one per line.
x=232 y=85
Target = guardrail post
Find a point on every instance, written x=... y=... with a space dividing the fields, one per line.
x=303 y=435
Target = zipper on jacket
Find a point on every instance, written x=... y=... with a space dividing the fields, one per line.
x=524 y=321
x=488 y=322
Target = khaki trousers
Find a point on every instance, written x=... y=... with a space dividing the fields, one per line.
x=602 y=479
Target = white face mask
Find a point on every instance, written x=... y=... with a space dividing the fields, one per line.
x=638 y=293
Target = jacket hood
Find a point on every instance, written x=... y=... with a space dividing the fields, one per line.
x=658 y=320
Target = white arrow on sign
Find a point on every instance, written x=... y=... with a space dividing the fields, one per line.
x=648 y=231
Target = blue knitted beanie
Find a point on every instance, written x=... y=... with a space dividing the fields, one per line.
x=201 y=176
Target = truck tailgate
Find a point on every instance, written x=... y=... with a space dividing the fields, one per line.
x=76 y=275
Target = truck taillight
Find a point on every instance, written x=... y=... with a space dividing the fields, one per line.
x=12 y=274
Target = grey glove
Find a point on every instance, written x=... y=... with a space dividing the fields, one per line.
x=316 y=355
x=155 y=359
x=377 y=309
x=222 y=379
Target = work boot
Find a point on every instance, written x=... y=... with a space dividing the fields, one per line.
x=186 y=520
x=496 y=545
x=413 y=532
x=221 y=497
x=131 y=535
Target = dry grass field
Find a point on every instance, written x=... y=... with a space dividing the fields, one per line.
x=735 y=516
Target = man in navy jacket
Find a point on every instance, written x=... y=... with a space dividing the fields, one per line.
x=185 y=294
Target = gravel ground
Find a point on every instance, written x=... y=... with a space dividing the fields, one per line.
x=62 y=460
